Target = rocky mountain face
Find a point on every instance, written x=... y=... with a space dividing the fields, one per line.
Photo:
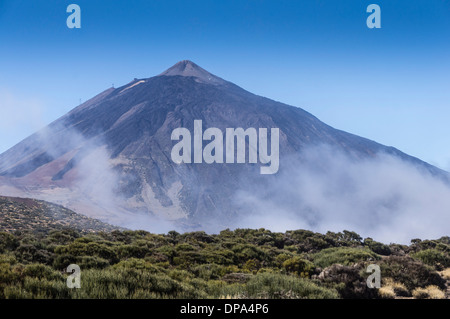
x=110 y=157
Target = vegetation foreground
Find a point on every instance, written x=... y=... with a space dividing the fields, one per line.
x=244 y=263
x=39 y=240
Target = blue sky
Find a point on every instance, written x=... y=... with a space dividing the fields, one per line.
x=391 y=84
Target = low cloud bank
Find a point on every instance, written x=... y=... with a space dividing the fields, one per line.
x=326 y=190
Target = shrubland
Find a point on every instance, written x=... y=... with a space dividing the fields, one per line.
x=241 y=263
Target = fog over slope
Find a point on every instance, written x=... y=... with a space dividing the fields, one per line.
x=385 y=197
x=109 y=158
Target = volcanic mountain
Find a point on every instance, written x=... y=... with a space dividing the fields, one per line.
x=110 y=157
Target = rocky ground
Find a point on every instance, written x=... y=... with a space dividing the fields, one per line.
x=19 y=214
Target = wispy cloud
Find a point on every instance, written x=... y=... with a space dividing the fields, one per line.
x=383 y=197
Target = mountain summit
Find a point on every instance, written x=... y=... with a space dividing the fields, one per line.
x=110 y=158
x=189 y=68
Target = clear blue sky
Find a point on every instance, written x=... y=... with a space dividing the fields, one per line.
x=391 y=84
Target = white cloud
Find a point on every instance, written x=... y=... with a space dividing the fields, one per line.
x=383 y=197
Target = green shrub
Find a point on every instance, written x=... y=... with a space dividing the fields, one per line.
x=410 y=272
x=16 y=292
x=8 y=258
x=349 y=281
x=212 y=271
x=433 y=257
x=40 y=271
x=62 y=261
x=7 y=242
x=252 y=266
x=62 y=237
x=184 y=247
x=132 y=251
x=377 y=247
x=281 y=258
x=46 y=289
x=86 y=247
x=9 y=274
x=31 y=252
x=117 y=282
x=180 y=275
x=244 y=252
x=343 y=256
x=88 y=262
x=270 y=285
x=440 y=244
x=346 y=238
x=140 y=264
x=298 y=266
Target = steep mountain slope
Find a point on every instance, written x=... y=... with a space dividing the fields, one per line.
x=110 y=157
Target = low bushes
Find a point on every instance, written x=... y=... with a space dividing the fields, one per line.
x=343 y=255
x=279 y=286
x=244 y=263
x=347 y=280
x=391 y=289
x=410 y=272
x=429 y=292
x=433 y=257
